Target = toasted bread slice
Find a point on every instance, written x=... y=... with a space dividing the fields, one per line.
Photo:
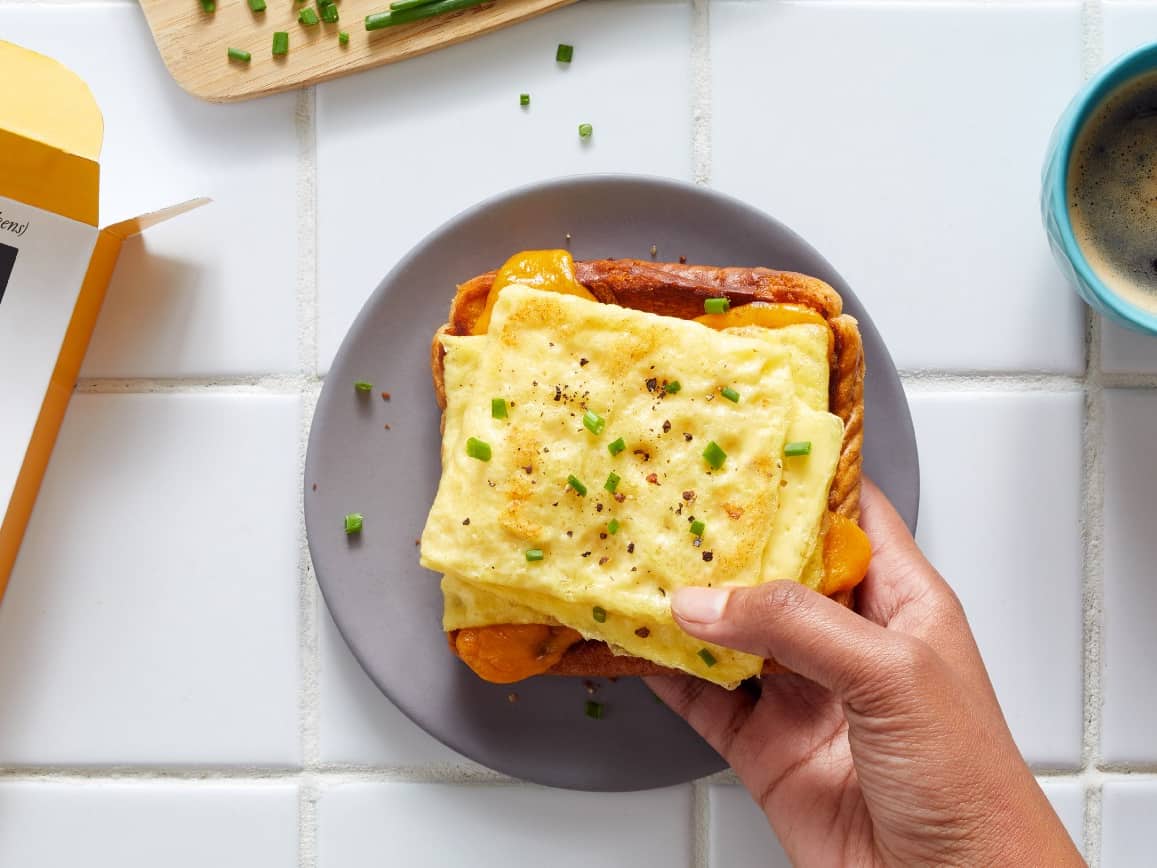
x=674 y=289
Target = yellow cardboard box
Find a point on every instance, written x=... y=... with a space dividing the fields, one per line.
x=55 y=265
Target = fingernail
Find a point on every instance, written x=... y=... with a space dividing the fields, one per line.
x=701 y=605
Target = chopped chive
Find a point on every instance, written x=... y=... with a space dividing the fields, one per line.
x=533 y=555
x=594 y=710
x=343 y=38
x=599 y=614
x=715 y=455
x=613 y=526
x=280 y=43
x=573 y=482
x=479 y=449
x=612 y=482
x=524 y=99
x=672 y=387
x=800 y=447
x=730 y=394
x=717 y=305
x=208 y=5
x=616 y=447
x=360 y=385
x=593 y=422
x=307 y=17
x=354 y=522
x=585 y=131
x=239 y=55
x=706 y=656
x=498 y=408
x=697 y=527
x=565 y=53
x=329 y=14
x=393 y=16
x=257 y=5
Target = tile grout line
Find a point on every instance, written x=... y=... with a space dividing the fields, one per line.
x=1093 y=491
x=309 y=711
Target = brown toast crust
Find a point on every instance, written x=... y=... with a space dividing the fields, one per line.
x=675 y=289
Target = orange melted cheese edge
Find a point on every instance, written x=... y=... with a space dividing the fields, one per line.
x=530 y=643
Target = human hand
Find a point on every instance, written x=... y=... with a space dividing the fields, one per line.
x=888 y=746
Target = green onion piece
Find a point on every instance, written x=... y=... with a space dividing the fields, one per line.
x=612 y=482
x=594 y=710
x=706 y=656
x=238 y=54
x=565 y=53
x=573 y=482
x=672 y=387
x=697 y=527
x=715 y=455
x=613 y=526
x=307 y=17
x=616 y=447
x=329 y=14
x=257 y=5
x=717 y=305
x=730 y=394
x=533 y=555
x=599 y=614
x=593 y=422
x=354 y=522
x=498 y=408
x=479 y=449
x=585 y=131
x=799 y=447
x=401 y=5
x=343 y=38
x=360 y=385
x=524 y=99
x=280 y=43
x=208 y=5
x=427 y=10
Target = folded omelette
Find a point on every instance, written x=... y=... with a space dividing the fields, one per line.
x=595 y=458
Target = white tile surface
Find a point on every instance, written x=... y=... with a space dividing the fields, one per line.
x=1068 y=800
x=152 y=614
x=358 y=724
x=740 y=835
x=1127 y=26
x=456 y=115
x=1127 y=812
x=905 y=142
x=213 y=292
x=144 y=825
x=424 y=825
x=1000 y=517
x=1129 y=643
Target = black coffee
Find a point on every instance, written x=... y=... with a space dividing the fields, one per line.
x=1112 y=191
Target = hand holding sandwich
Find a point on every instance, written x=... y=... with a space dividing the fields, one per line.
x=889 y=746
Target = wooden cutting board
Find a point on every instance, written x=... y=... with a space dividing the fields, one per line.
x=193 y=43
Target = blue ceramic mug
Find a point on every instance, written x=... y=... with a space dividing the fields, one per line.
x=1054 y=184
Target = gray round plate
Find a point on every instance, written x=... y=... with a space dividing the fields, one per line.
x=389 y=608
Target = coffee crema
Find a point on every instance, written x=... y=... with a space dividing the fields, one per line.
x=1112 y=191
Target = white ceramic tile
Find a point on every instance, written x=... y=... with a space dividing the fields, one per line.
x=905 y=141
x=1127 y=26
x=1068 y=800
x=152 y=614
x=1000 y=517
x=143 y=825
x=740 y=835
x=488 y=826
x=1127 y=812
x=358 y=724
x=452 y=119
x=1129 y=643
x=212 y=292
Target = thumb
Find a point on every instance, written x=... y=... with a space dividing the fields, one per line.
x=803 y=630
